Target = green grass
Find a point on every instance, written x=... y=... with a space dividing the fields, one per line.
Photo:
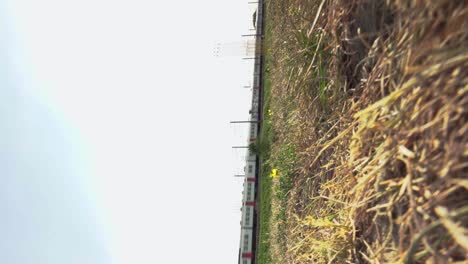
x=285 y=162
x=284 y=155
x=266 y=138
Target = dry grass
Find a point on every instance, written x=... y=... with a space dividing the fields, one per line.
x=372 y=95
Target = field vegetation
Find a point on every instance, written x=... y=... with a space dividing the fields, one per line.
x=365 y=124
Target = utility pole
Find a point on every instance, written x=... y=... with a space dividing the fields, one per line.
x=250 y=58
x=250 y=87
x=251 y=35
x=243 y=122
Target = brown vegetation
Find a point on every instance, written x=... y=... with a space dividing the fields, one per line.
x=371 y=96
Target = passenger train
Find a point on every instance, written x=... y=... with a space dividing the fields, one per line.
x=249 y=212
x=249 y=195
x=248 y=238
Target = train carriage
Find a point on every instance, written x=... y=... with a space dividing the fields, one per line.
x=246 y=254
x=247 y=245
x=248 y=221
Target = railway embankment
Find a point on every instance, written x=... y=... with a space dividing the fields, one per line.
x=363 y=156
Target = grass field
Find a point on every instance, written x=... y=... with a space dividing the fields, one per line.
x=263 y=255
x=365 y=123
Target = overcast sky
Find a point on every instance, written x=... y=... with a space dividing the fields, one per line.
x=115 y=143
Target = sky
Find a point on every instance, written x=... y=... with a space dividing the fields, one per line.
x=115 y=142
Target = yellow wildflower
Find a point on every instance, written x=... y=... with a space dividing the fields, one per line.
x=274 y=173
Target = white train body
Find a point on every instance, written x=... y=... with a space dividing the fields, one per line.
x=246 y=254
x=247 y=245
x=248 y=216
x=246 y=250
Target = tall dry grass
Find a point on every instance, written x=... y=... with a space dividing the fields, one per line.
x=373 y=95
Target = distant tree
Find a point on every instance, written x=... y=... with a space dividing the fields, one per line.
x=253 y=148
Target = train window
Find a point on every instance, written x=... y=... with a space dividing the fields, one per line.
x=250 y=168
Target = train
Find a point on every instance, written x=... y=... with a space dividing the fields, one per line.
x=248 y=222
x=248 y=236
x=249 y=202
